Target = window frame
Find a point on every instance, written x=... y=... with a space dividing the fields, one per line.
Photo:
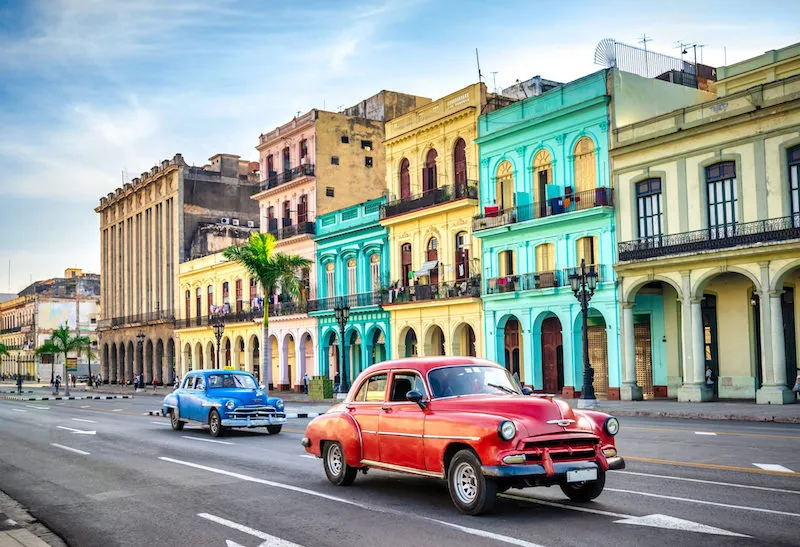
x=722 y=185
x=364 y=385
x=644 y=200
x=418 y=380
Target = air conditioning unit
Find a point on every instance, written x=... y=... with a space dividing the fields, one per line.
x=235 y=221
x=251 y=224
x=224 y=220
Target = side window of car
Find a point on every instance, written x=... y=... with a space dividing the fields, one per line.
x=201 y=384
x=188 y=383
x=402 y=383
x=361 y=395
x=376 y=388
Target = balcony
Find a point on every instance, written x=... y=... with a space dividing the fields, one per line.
x=578 y=201
x=443 y=194
x=711 y=239
x=276 y=179
x=162 y=316
x=290 y=307
x=10 y=330
x=359 y=300
x=469 y=288
x=231 y=318
x=539 y=280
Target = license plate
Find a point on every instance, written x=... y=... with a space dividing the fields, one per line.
x=580 y=475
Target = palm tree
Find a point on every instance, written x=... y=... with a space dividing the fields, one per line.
x=272 y=270
x=90 y=354
x=62 y=342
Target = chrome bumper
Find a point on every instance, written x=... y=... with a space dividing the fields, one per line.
x=522 y=471
x=260 y=421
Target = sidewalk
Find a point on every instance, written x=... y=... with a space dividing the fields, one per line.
x=20 y=528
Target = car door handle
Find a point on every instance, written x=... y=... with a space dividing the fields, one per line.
x=350 y=407
x=386 y=408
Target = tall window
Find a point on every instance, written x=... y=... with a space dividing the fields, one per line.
x=723 y=199
x=405 y=180
x=794 y=185
x=197 y=307
x=585 y=167
x=238 y=296
x=303 y=149
x=210 y=298
x=545 y=258
x=432 y=255
x=351 y=276
x=649 y=208
x=375 y=271
x=405 y=263
x=429 y=181
x=542 y=176
x=225 y=293
x=506 y=264
x=305 y=282
x=253 y=291
x=302 y=209
x=287 y=213
x=272 y=222
x=270 y=165
x=586 y=249
x=504 y=185
x=287 y=166
x=188 y=304
x=460 y=162
x=462 y=256
x=330 y=280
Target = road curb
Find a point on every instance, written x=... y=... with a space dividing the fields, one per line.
x=71 y=398
x=705 y=416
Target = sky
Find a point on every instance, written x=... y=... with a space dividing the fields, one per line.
x=96 y=91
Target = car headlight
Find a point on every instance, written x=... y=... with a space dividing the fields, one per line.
x=611 y=425
x=230 y=405
x=506 y=430
x=279 y=405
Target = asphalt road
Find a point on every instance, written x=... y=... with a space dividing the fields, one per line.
x=134 y=481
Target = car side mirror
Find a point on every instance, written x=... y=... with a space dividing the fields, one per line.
x=416 y=397
x=263 y=387
x=526 y=391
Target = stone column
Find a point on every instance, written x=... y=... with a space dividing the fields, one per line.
x=630 y=390
x=774 y=391
x=694 y=389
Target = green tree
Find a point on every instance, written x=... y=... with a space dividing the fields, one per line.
x=4 y=351
x=61 y=342
x=86 y=347
x=273 y=271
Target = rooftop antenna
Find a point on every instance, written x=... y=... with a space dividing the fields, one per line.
x=725 y=55
x=478 y=60
x=643 y=41
x=494 y=81
x=700 y=47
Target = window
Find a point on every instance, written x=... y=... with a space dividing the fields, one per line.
x=429 y=180
x=286 y=161
x=794 y=185
x=586 y=249
x=198 y=311
x=504 y=186
x=253 y=290
x=345 y=139
x=368 y=161
x=545 y=258
x=585 y=168
x=405 y=180
x=225 y=295
x=303 y=149
x=238 y=296
x=330 y=280
x=334 y=160
x=373 y=390
x=432 y=255
x=460 y=162
x=366 y=145
x=351 y=276
x=329 y=191
x=405 y=261
x=210 y=298
x=270 y=165
x=649 y=209
x=188 y=304
x=506 y=263
x=542 y=176
x=723 y=200
x=302 y=209
x=287 y=214
x=462 y=256
x=402 y=383
x=375 y=271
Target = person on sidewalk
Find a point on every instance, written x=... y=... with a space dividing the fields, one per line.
x=57 y=383
x=796 y=388
x=19 y=384
x=710 y=382
x=155 y=384
x=305 y=383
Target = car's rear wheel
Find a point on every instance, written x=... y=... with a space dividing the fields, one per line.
x=274 y=429
x=215 y=423
x=336 y=468
x=175 y=420
x=587 y=490
x=472 y=493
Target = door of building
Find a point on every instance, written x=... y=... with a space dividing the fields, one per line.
x=551 y=349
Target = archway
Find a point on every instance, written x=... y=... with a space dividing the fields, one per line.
x=198 y=353
x=331 y=344
x=104 y=370
x=512 y=347
x=133 y=358
x=408 y=343
x=785 y=295
x=211 y=355
x=378 y=341
x=290 y=352
x=306 y=355
x=257 y=359
x=434 y=341
x=239 y=360
x=354 y=362
x=170 y=364
x=226 y=356
x=464 y=340
x=274 y=363
x=598 y=349
x=114 y=373
x=158 y=366
x=552 y=345
x=147 y=373
x=188 y=358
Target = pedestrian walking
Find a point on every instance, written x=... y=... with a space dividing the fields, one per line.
x=155 y=383
x=796 y=387
x=19 y=384
x=305 y=383
x=57 y=383
x=74 y=381
x=711 y=382
x=336 y=384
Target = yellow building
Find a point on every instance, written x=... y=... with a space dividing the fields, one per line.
x=432 y=179
x=708 y=222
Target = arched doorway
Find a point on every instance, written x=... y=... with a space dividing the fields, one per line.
x=552 y=355
x=512 y=347
x=226 y=358
x=290 y=350
x=408 y=347
x=598 y=349
x=331 y=367
x=133 y=355
x=257 y=360
x=464 y=341
x=198 y=351
x=188 y=358
x=432 y=256
x=274 y=364
x=405 y=180
x=460 y=163
x=147 y=373
x=104 y=370
x=306 y=358
x=378 y=346
x=158 y=366
x=429 y=176
x=112 y=377
x=240 y=353
x=170 y=377
x=434 y=341
x=211 y=352
x=354 y=364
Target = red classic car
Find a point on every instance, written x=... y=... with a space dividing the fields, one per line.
x=466 y=421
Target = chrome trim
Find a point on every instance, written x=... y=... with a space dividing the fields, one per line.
x=398 y=434
x=371 y=432
x=562 y=423
x=454 y=437
x=212 y=404
x=401 y=469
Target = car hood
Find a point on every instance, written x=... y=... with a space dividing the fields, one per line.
x=538 y=415
x=243 y=396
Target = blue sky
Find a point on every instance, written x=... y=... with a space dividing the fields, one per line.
x=92 y=88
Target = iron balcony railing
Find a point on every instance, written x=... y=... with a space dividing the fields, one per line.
x=249 y=316
x=276 y=179
x=577 y=201
x=10 y=329
x=359 y=300
x=162 y=316
x=468 y=288
x=291 y=230
x=290 y=307
x=540 y=280
x=720 y=237
x=443 y=194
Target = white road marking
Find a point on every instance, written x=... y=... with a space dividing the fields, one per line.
x=86 y=406
x=70 y=449
x=39 y=407
x=160 y=423
x=313 y=457
x=672 y=523
x=272 y=541
x=773 y=467
x=701 y=502
x=85 y=421
x=18 y=410
x=79 y=431
x=471 y=531
x=705 y=433
x=117 y=410
x=204 y=440
x=565 y=506
x=765 y=488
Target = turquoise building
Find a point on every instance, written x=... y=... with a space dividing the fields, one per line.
x=352 y=256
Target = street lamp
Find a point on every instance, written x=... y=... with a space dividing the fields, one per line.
x=583 y=285
x=140 y=344
x=219 y=328
x=342 y=311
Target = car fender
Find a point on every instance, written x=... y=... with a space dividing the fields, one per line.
x=336 y=426
x=170 y=401
x=597 y=420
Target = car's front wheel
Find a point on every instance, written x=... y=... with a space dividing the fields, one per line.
x=587 y=490
x=215 y=424
x=175 y=420
x=472 y=493
x=336 y=468
x=274 y=429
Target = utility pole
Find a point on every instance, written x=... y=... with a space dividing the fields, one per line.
x=643 y=41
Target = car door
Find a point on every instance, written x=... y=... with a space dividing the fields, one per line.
x=401 y=423
x=184 y=396
x=190 y=407
x=366 y=408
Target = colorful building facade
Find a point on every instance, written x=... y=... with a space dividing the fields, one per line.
x=708 y=222
x=352 y=263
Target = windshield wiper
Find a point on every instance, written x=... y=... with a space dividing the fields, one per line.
x=504 y=388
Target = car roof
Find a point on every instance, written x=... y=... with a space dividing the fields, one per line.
x=424 y=364
x=206 y=372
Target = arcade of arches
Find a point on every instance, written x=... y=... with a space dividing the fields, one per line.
x=122 y=358
x=361 y=349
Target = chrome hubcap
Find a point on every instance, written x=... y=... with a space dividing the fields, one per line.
x=465 y=482
x=214 y=422
x=335 y=462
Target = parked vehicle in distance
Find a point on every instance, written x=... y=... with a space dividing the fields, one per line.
x=466 y=421
x=223 y=399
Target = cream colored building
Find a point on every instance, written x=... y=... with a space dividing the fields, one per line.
x=708 y=222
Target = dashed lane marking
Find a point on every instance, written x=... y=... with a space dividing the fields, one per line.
x=160 y=423
x=85 y=421
x=18 y=410
x=702 y=481
x=271 y=541
x=773 y=467
x=204 y=440
x=712 y=434
x=38 y=407
x=75 y=450
x=711 y=466
x=732 y=433
x=702 y=502
x=118 y=410
x=313 y=457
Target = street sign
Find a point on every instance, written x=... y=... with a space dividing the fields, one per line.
x=72 y=364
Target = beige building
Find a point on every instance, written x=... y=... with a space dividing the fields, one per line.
x=148 y=227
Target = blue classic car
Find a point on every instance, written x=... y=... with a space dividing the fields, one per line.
x=223 y=399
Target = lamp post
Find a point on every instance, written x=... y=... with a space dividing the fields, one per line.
x=219 y=328
x=342 y=311
x=140 y=345
x=583 y=285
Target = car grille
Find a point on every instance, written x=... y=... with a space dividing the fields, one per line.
x=571 y=448
x=255 y=411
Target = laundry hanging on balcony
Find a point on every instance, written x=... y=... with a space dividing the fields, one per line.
x=426 y=268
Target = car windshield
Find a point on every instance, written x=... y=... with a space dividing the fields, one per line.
x=471 y=380
x=231 y=381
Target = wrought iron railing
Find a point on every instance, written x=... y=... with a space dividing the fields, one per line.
x=353 y=301
x=287 y=308
x=724 y=237
x=276 y=179
x=249 y=316
x=577 y=201
x=540 y=280
x=443 y=194
x=10 y=329
x=161 y=316
x=469 y=288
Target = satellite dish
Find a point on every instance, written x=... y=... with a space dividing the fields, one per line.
x=605 y=54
